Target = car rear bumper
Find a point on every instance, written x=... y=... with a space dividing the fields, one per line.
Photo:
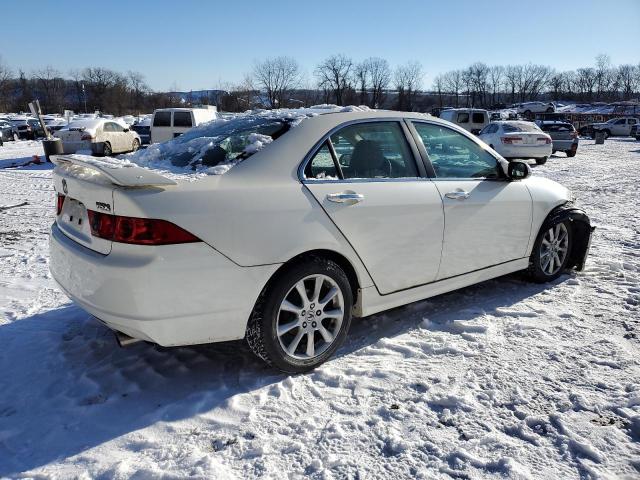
x=564 y=145
x=525 y=151
x=73 y=147
x=170 y=295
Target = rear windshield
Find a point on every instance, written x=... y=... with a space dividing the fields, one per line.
x=558 y=127
x=520 y=127
x=216 y=146
x=162 y=119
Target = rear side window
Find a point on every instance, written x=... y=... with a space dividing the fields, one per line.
x=463 y=118
x=162 y=119
x=182 y=119
x=321 y=165
x=374 y=150
x=477 y=117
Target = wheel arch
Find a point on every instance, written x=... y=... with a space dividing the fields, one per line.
x=581 y=230
x=332 y=255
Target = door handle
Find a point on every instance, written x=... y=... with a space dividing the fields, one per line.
x=457 y=195
x=345 y=197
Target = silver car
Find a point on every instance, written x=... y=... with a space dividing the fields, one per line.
x=563 y=136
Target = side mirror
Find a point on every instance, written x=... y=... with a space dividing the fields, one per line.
x=125 y=130
x=518 y=170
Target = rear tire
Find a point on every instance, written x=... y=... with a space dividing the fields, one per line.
x=550 y=110
x=106 y=150
x=541 y=161
x=607 y=134
x=571 y=153
x=551 y=251
x=135 y=145
x=294 y=333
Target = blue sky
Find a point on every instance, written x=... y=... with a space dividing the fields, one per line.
x=201 y=44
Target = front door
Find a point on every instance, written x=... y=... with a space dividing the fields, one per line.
x=366 y=180
x=487 y=218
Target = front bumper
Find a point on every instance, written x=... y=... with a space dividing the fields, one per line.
x=170 y=295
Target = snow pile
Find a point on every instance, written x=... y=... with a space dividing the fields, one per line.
x=505 y=379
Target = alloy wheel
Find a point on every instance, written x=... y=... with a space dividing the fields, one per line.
x=310 y=317
x=554 y=249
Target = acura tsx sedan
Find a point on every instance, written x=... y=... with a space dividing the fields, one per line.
x=279 y=228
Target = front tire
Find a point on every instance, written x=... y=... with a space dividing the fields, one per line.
x=303 y=317
x=550 y=252
x=541 y=161
x=571 y=153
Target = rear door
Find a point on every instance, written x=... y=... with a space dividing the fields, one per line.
x=487 y=218
x=366 y=178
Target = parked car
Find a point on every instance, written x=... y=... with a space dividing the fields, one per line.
x=28 y=128
x=8 y=131
x=518 y=139
x=471 y=119
x=529 y=108
x=564 y=137
x=100 y=136
x=616 y=127
x=168 y=123
x=143 y=129
x=635 y=131
x=179 y=262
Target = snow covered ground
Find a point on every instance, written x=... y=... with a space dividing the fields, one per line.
x=502 y=379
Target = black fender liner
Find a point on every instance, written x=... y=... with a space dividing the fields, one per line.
x=581 y=228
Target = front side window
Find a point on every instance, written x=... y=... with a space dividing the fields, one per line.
x=374 y=150
x=453 y=155
x=182 y=119
x=463 y=118
x=162 y=119
x=620 y=122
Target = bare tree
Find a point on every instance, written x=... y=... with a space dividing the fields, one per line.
x=138 y=88
x=513 y=77
x=333 y=76
x=585 y=81
x=408 y=79
x=5 y=81
x=361 y=78
x=51 y=87
x=496 y=75
x=380 y=75
x=453 y=83
x=478 y=79
x=626 y=79
x=277 y=77
x=603 y=74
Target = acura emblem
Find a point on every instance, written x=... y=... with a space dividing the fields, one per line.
x=64 y=186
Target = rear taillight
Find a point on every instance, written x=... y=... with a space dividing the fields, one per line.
x=138 y=231
x=60 y=203
x=510 y=140
x=86 y=136
x=546 y=140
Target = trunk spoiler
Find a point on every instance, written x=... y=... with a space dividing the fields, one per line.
x=128 y=175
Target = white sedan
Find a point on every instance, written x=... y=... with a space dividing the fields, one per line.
x=317 y=219
x=100 y=136
x=518 y=139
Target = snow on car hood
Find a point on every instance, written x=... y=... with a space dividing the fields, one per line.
x=186 y=154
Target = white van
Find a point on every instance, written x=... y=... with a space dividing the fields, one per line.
x=471 y=119
x=168 y=123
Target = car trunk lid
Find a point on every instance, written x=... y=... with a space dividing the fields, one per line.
x=87 y=185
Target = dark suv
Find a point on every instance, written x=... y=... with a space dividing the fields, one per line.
x=563 y=135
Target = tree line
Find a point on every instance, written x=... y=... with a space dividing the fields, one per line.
x=483 y=86
x=339 y=79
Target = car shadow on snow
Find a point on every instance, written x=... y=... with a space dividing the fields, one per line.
x=67 y=386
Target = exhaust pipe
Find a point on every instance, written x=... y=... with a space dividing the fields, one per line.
x=125 y=340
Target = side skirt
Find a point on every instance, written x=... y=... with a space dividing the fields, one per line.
x=373 y=302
